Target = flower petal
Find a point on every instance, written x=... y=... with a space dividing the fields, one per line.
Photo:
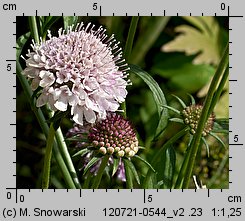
x=89 y=115
x=77 y=112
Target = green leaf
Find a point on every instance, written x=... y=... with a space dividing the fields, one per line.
x=186 y=75
x=76 y=139
x=193 y=102
x=202 y=39
x=206 y=145
x=218 y=139
x=102 y=168
x=81 y=152
x=115 y=165
x=129 y=176
x=144 y=161
x=90 y=164
x=69 y=21
x=150 y=181
x=180 y=101
x=168 y=166
x=130 y=166
x=158 y=97
x=177 y=120
x=221 y=125
x=148 y=36
x=172 y=109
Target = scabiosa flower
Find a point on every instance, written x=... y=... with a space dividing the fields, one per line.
x=82 y=68
x=113 y=136
x=192 y=115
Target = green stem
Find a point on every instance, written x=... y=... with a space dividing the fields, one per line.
x=34 y=29
x=98 y=177
x=181 y=175
x=219 y=90
x=147 y=39
x=204 y=116
x=66 y=156
x=48 y=157
x=130 y=38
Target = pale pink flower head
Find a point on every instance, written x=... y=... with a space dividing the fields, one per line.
x=81 y=68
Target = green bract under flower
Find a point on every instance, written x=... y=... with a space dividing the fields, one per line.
x=114 y=136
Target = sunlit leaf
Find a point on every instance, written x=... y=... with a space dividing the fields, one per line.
x=202 y=39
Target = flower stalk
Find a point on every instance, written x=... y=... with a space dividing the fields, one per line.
x=189 y=161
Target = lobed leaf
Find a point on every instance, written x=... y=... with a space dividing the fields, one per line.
x=202 y=39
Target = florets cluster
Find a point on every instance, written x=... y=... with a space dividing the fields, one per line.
x=81 y=68
x=114 y=136
x=191 y=117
